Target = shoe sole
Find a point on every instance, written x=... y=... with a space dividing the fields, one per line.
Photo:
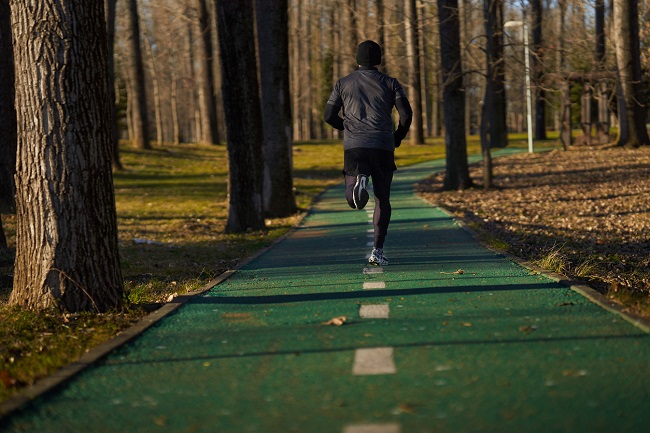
x=360 y=196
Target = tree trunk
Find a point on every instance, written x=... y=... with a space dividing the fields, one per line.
x=243 y=115
x=66 y=234
x=538 y=70
x=7 y=113
x=273 y=40
x=381 y=33
x=565 y=86
x=602 y=92
x=457 y=174
x=354 y=39
x=632 y=131
x=3 y=238
x=136 y=77
x=495 y=92
x=109 y=12
x=209 y=131
x=415 y=87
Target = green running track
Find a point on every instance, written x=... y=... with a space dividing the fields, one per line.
x=424 y=349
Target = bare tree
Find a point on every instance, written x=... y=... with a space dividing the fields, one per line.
x=493 y=120
x=138 y=94
x=626 y=33
x=538 y=69
x=602 y=93
x=457 y=172
x=273 y=41
x=209 y=128
x=8 y=125
x=243 y=114
x=66 y=234
x=109 y=11
x=415 y=87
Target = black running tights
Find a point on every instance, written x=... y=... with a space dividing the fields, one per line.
x=381 y=216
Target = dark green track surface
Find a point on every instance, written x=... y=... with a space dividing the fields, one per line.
x=496 y=348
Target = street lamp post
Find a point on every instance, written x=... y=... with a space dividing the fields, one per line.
x=529 y=96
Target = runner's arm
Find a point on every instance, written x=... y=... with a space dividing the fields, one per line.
x=405 y=118
x=332 y=116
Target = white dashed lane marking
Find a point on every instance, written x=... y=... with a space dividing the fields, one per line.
x=374 y=270
x=378 y=311
x=373 y=428
x=377 y=360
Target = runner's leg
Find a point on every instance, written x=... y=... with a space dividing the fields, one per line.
x=381 y=218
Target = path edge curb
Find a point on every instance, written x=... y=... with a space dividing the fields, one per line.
x=95 y=354
x=579 y=287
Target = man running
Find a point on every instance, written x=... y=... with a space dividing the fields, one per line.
x=366 y=98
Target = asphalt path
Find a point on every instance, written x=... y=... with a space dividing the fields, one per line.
x=450 y=337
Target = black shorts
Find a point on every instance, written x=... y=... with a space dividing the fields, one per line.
x=371 y=162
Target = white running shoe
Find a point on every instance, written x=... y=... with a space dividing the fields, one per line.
x=377 y=257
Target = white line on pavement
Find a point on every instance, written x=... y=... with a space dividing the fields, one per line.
x=376 y=311
x=377 y=360
x=369 y=285
x=373 y=428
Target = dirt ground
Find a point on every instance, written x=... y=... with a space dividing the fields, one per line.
x=584 y=213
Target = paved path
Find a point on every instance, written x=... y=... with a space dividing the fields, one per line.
x=424 y=349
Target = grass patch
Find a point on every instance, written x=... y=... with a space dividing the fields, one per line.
x=171 y=208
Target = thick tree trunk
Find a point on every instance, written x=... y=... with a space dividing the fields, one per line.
x=66 y=234
x=135 y=68
x=109 y=12
x=457 y=174
x=633 y=131
x=7 y=113
x=415 y=86
x=538 y=70
x=273 y=42
x=243 y=115
x=209 y=131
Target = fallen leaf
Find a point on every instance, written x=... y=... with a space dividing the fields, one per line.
x=574 y=373
x=406 y=408
x=336 y=321
x=565 y=304
x=6 y=380
x=458 y=272
x=527 y=329
x=467 y=324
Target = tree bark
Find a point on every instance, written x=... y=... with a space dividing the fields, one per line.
x=66 y=234
x=495 y=92
x=538 y=69
x=273 y=42
x=633 y=131
x=602 y=93
x=457 y=173
x=8 y=127
x=3 y=238
x=565 y=84
x=415 y=86
x=243 y=115
x=135 y=68
x=209 y=130
x=109 y=12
